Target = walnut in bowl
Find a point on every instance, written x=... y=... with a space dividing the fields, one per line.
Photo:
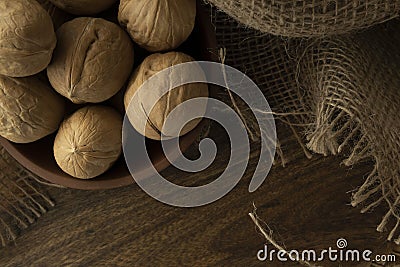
x=92 y=60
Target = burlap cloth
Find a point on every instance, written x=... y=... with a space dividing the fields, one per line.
x=22 y=199
x=306 y=18
x=339 y=94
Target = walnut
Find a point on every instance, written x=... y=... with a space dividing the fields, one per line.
x=150 y=122
x=29 y=109
x=27 y=38
x=92 y=60
x=89 y=142
x=158 y=25
x=83 y=7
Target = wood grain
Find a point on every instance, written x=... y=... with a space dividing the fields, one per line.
x=306 y=204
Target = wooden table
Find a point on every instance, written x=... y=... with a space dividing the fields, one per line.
x=306 y=204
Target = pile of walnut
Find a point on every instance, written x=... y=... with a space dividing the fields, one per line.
x=87 y=60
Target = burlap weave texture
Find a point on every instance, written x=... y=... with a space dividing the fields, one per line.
x=306 y=18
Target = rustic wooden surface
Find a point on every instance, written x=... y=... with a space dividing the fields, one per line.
x=306 y=204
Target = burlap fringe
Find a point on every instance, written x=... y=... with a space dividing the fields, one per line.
x=249 y=122
x=269 y=235
x=21 y=200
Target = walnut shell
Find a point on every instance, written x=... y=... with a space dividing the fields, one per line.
x=150 y=122
x=92 y=61
x=89 y=142
x=158 y=25
x=27 y=38
x=83 y=7
x=29 y=109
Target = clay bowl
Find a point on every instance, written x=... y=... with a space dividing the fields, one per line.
x=38 y=157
